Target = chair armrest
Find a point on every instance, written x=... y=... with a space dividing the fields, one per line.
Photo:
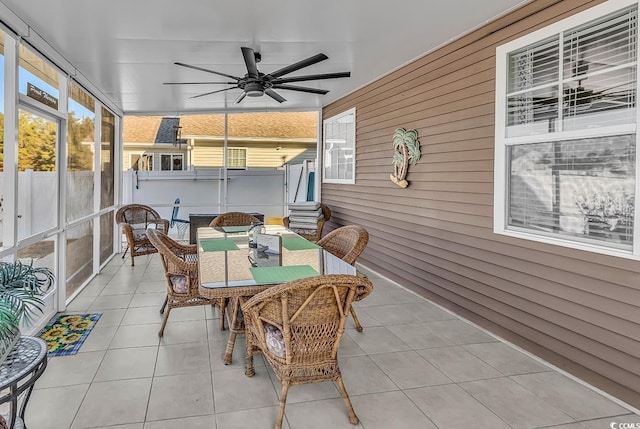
x=127 y=230
x=188 y=252
x=188 y=249
x=321 y=223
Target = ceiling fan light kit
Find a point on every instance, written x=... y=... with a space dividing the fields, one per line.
x=256 y=84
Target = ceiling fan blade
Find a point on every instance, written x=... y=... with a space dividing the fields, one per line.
x=212 y=92
x=240 y=97
x=250 y=61
x=271 y=93
x=312 y=77
x=299 y=65
x=301 y=89
x=199 y=83
x=206 y=70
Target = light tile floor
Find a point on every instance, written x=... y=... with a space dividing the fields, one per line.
x=414 y=366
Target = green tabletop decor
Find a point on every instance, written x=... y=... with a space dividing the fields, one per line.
x=218 y=245
x=298 y=243
x=283 y=274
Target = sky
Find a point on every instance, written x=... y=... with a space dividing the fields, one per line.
x=25 y=77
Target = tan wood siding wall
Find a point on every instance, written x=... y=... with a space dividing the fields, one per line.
x=209 y=154
x=578 y=310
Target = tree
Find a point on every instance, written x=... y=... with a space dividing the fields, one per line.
x=79 y=156
x=37 y=143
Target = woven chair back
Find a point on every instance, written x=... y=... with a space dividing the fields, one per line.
x=311 y=314
x=137 y=214
x=234 y=219
x=347 y=242
x=177 y=258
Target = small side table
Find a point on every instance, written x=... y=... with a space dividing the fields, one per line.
x=19 y=372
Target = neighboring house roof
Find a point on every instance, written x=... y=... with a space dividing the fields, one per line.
x=287 y=125
x=167 y=130
x=140 y=129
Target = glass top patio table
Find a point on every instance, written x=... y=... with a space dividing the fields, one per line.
x=227 y=262
x=231 y=271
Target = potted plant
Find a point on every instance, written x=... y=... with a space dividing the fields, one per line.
x=21 y=289
x=607 y=211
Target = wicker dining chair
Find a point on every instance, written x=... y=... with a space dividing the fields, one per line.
x=298 y=325
x=347 y=243
x=134 y=219
x=231 y=219
x=312 y=234
x=180 y=263
x=234 y=219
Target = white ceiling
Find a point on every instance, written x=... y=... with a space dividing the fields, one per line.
x=127 y=48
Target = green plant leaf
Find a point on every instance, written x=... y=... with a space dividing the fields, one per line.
x=21 y=288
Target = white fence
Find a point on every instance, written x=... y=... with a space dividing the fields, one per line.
x=201 y=192
x=257 y=190
x=38 y=200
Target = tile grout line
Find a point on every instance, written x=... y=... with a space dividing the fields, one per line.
x=510 y=344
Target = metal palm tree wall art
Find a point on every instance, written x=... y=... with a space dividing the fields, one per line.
x=406 y=149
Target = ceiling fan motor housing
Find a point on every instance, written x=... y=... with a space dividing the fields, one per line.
x=254 y=89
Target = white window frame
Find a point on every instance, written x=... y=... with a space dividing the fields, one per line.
x=246 y=163
x=131 y=160
x=172 y=156
x=501 y=164
x=326 y=147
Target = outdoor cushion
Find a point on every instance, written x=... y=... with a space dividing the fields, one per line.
x=303 y=222
x=306 y=213
x=275 y=341
x=179 y=283
x=303 y=225
x=139 y=234
x=304 y=206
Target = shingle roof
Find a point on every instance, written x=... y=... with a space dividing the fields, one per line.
x=140 y=129
x=167 y=130
x=145 y=129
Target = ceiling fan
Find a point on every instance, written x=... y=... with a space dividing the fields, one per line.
x=255 y=84
x=579 y=98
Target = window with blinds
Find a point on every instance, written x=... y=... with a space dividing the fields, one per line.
x=566 y=131
x=584 y=77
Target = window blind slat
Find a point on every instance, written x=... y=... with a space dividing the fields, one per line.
x=533 y=66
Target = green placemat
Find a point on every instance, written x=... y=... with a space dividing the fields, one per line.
x=298 y=243
x=240 y=228
x=218 y=245
x=272 y=275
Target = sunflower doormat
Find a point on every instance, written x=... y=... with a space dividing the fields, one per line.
x=66 y=333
